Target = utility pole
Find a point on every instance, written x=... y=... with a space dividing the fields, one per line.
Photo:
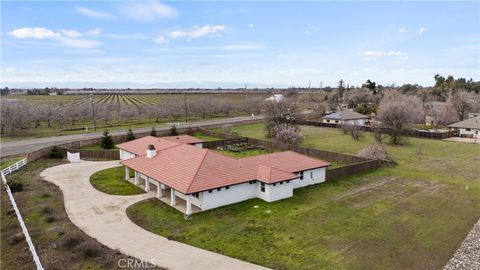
x=321 y=85
x=93 y=114
x=186 y=110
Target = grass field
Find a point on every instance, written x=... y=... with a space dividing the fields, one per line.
x=8 y=162
x=112 y=181
x=412 y=216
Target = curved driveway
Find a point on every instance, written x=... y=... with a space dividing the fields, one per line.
x=104 y=217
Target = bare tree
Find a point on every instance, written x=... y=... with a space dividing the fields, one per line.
x=397 y=111
x=279 y=113
x=15 y=115
x=352 y=130
x=254 y=105
x=464 y=102
x=288 y=134
x=174 y=109
x=443 y=115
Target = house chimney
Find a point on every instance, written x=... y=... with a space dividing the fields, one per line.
x=151 y=152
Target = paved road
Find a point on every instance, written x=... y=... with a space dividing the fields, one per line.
x=104 y=218
x=25 y=146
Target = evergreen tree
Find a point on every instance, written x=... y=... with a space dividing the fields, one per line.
x=173 y=131
x=153 y=132
x=130 y=135
x=107 y=141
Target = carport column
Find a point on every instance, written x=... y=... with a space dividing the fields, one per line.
x=147 y=184
x=127 y=173
x=189 y=205
x=159 y=191
x=172 y=197
x=136 y=178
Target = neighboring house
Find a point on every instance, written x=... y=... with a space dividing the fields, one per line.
x=346 y=117
x=469 y=128
x=202 y=179
x=137 y=147
x=473 y=114
x=276 y=98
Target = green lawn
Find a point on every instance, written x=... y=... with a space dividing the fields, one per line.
x=412 y=216
x=112 y=181
x=8 y=162
x=205 y=137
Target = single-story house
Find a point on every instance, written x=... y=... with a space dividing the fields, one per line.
x=201 y=179
x=469 y=128
x=137 y=147
x=275 y=98
x=346 y=117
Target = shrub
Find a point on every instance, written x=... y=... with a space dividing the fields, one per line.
x=15 y=239
x=153 y=132
x=173 y=130
x=15 y=186
x=107 y=142
x=55 y=153
x=130 y=135
x=72 y=240
x=288 y=134
x=49 y=219
x=375 y=151
x=89 y=249
x=47 y=210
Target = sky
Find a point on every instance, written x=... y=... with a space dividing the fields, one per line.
x=232 y=44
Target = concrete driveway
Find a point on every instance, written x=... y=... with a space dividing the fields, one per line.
x=104 y=218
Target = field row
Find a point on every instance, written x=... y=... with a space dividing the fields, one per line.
x=126 y=99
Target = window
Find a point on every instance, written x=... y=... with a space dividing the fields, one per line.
x=328 y=121
x=262 y=188
x=281 y=183
x=218 y=189
x=311 y=175
x=274 y=184
x=301 y=175
x=288 y=181
x=468 y=129
x=195 y=195
x=336 y=121
x=227 y=187
x=209 y=191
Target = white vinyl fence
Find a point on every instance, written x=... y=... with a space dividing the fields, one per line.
x=7 y=171
x=73 y=157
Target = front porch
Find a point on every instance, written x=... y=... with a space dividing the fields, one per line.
x=164 y=193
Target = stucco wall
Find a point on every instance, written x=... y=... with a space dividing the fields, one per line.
x=235 y=193
x=473 y=132
x=279 y=191
x=126 y=155
x=310 y=177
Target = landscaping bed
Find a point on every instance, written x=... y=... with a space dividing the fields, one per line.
x=59 y=243
x=411 y=216
x=112 y=181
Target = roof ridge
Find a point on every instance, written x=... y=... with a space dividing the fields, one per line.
x=198 y=168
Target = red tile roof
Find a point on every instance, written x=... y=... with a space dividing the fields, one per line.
x=189 y=169
x=139 y=146
x=184 y=139
x=288 y=161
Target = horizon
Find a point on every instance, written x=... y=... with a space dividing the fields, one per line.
x=229 y=44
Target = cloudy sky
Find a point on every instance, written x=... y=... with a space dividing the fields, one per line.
x=232 y=43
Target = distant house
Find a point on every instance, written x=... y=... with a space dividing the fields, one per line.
x=192 y=179
x=469 y=128
x=346 y=117
x=473 y=114
x=275 y=98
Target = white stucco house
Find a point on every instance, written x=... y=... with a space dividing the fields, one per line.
x=201 y=179
x=469 y=128
x=346 y=117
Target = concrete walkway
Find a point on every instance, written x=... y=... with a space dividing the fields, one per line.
x=104 y=218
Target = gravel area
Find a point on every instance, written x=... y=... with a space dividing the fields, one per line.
x=467 y=256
